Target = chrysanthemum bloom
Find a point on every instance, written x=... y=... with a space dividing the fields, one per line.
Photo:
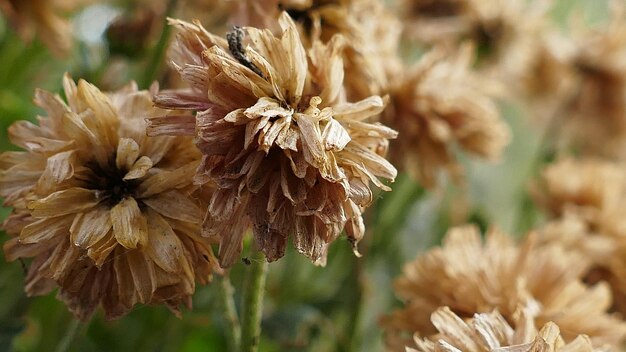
x=492 y=25
x=43 y=18
x=108 y=215
x=440 y=103
x=288 y=155
x=490 y=332
x=585 y=200
x=596 y=115
x=371 y=53
x=471 y=276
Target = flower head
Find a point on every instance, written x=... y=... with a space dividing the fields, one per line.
x=288 y=155
x=487 y=332
x=471 y=277
x=440 y=103
x=108 y=215
x=596 y=111
x=42 y=17
x=584 y=200
x=371 y=52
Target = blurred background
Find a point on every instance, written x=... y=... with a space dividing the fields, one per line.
x=335 y=308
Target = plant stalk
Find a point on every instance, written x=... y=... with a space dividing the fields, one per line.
x=156 y=59
x=254 y=290
x=233 y=329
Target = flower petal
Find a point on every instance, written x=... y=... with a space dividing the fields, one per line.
x=127 y=153
x=176 y=205
x=139 y=169
x=164 y=246
x=129 y=225
x=69 y=201
x=89 y=228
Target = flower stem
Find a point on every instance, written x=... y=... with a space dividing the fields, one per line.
x=254 y=289
x=233 y=329
x=156 y=59
x=68 y=338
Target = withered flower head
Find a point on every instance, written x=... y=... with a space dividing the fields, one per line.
x=490 y=332
x=43 y=18
x=492 y=25
x=106 y=214
x=471 y=276
x=288 y=154
x=371 y=53
x=585 y=200
x=440 y=103
x=597 y=112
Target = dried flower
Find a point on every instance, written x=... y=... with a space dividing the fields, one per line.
x=596 y=112
x=491 y=332
x=42 y=17
x=440 y=103
x=470 y=277
x=371 y=53
x=290 y=157
x=495 y=26
x=108 y=215
x=585 y=200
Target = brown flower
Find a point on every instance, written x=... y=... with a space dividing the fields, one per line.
x=440 y=103
x=585 y=200
x=288 y=154
x=596 y=112
x=495 y=26
x=42 y=17
x=490 y=332
x=108 y=215
x=371 y=53
x=471 y=277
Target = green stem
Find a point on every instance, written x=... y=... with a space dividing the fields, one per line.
x=70 y=335
x=254 y=290
x=356 y=310
x=156 y=59
x=233 y=329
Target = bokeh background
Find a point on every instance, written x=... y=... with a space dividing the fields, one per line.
x=335 y=308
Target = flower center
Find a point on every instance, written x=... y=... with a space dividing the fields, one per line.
x=111 y=181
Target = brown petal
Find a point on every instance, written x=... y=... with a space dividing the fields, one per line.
x=360 y=110
x=127 y=153
x=176 y=205
x=130 y=227
x=59 y=168
x=89 y=228
x=335 y=137
x=166 y=180
x=46 y=229
x=69 y=201
x=139 y=169
x=164 y=247
x=311 y=137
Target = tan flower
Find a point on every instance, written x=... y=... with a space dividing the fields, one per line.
x=106 y=213
x=585 y=200
x=495 y=26
x=490 y=332
x=596 y=114
x=470 y=277
x=43 y=18
x=288 y=154
x=371 y=54
x=440 y=103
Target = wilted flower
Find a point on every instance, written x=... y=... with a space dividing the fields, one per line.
x=108 y=215
x=596 y=113
x=495 y=26
x=440 y=103
x=487 y=332
x=471 y=277
x=288 y=155
x=44 y=18
x=371 y=53
x=585 y=200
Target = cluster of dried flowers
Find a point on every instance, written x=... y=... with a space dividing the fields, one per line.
x=282 y=126
x=544 y=282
